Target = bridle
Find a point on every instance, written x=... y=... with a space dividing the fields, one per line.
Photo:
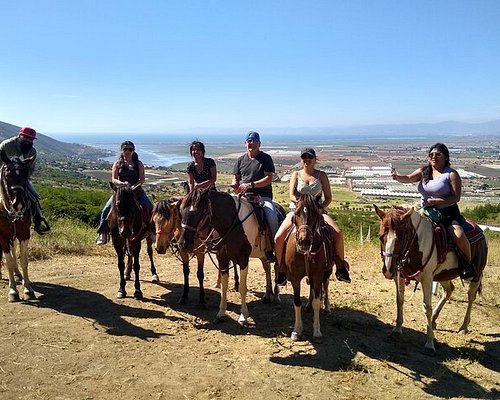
x=6 y=189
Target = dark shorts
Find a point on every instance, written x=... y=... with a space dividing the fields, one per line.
x=451 y=216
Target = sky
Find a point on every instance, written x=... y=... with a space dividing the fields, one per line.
x=98 y=66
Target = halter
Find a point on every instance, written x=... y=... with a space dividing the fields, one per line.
x=5 y=198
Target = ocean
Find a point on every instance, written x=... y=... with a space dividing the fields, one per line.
x=169 y=149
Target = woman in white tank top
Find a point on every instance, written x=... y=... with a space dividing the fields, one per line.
x=310 y=180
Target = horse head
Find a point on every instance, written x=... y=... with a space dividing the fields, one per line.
x=306 y=219
x=166 y=219
x=14 y=176
x=127 y=211
x=396 y=231
x=193 y=211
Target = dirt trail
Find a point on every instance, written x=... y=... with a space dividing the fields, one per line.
x=78 y=341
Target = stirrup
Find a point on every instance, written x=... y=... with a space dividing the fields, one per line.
x=41 y=227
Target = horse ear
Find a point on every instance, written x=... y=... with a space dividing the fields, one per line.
x=407 y=214
x=379 y=212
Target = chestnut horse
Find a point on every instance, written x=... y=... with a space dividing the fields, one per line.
x=409 y=251
x=15 y=223
x=309 y=252
x=167 y=220
x=238 y=239
x=128 y=228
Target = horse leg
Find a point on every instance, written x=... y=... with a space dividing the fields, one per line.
x=326 y=283
x=427 y=306
x=308 y=306
x=185 y=273
x=400 y=298
x=243 y=320
x=128 y=268
x=297 y=305
x=29 y=293
x=448 y=288
x=200 y=274
x=137 y=266
x=268 y=297
x=10 y=262
x=120 y=253
x=223 y=297
x=236 y=278
x=471 y=296
x=316 y=305
x=154 y=275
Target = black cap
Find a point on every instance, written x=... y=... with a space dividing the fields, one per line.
x=308 y=150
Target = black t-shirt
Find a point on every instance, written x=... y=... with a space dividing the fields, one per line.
x=251 y=170
x=205 y=173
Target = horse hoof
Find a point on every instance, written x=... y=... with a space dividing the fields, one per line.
x=463 y=331
x=14 y=297
x=138 y=295
x=295 y=336
x=29 y=295
x=429 y=351
x=121 y=294
x=155 y=278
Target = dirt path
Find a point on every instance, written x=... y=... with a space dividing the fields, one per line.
x=78 y=341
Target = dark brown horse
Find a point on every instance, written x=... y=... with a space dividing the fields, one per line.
x=128 y=228
x=409 y=252
x=239 y=238
x=309 y=253
x=167 y=220
x=15 y=223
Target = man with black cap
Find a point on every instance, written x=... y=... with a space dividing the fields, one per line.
x=253 y=174
x=22 y=146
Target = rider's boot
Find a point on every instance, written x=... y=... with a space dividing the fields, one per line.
x=40 y=224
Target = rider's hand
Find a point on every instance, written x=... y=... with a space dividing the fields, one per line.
x=235 y=187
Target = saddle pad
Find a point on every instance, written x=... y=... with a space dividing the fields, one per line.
x=473 y=232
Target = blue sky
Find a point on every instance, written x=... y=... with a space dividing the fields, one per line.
x=171 y=66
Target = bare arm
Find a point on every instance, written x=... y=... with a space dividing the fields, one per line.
x=415 y=176
x=293 y=186
x=327 y=190
x=114 y=176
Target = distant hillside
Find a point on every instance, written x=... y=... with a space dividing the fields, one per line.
x=54 y=148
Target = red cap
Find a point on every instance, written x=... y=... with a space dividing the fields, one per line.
x=28 y=132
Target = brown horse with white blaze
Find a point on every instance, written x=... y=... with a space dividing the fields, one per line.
x=15 y=223
x=309 y=253
x=409 y=252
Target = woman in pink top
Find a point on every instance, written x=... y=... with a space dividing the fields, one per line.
x=441 y=188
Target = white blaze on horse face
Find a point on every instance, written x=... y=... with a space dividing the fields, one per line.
x=192 y=208
x=390 y=245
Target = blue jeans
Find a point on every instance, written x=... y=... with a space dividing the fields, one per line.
x=143 y=199
x=271 y=215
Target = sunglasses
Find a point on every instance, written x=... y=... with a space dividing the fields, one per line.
x=435 y=155
x=307 y=157
x=251 y=141
x=128 y=149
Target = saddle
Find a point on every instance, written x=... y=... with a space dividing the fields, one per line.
x=264 y=229
x=444 y=242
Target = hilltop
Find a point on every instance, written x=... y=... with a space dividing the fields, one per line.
x=52 y=148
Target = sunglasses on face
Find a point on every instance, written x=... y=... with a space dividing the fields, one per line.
x=435 y=155
x=307 y=157
x=252 y=141
x=128 y=149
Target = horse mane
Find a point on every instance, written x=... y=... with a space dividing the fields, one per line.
x=192 y=198
x=392 y=219
x=162 y=208
x=308 y=201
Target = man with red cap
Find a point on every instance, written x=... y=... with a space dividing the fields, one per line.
x=22 y=146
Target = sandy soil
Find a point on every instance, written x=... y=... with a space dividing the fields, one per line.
x=78 y=341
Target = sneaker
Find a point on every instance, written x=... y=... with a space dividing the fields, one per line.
x=270 y=257
x=343 y=275
x=281 y=279
x=102 y=239
x=41 y=227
